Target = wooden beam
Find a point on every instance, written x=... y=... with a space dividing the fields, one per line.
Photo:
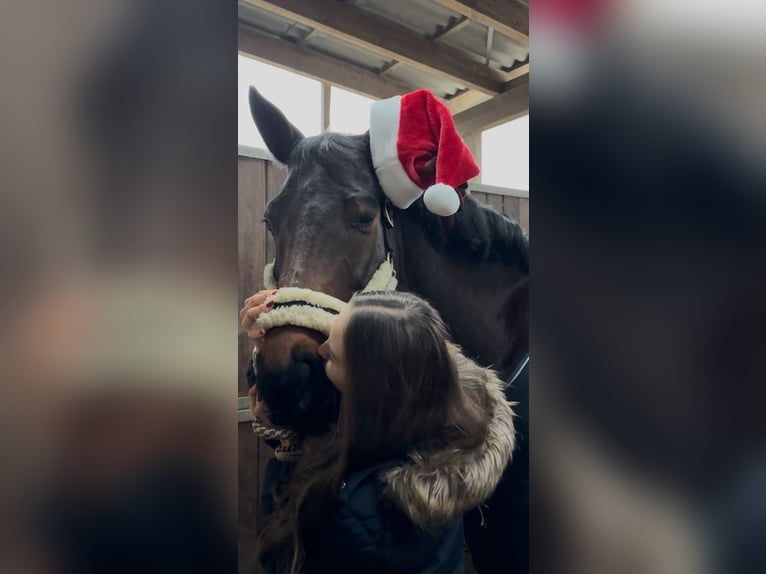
x=473 y=141
x=506 y=16
x=464 y=100
x=318 y=66
x=503 y=108
x=514 y=73
x=386 y=68
x=307 y=37
x=360 y=28
x=455 y=25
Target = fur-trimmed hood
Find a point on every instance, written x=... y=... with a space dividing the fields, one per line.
x=436 y=486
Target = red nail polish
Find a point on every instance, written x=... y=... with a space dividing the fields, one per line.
x=274 y=292
x=270 y=304
x=262 y=332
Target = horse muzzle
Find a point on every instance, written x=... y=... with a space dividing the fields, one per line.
x=290 y=378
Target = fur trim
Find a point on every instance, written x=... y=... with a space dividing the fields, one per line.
x=301 y=308
x=437 y=486
x=384 y=278
x=268 y=276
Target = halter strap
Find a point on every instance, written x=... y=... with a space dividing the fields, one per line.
x=519 y=369
x=314 y=310
x=388 y=224
x=311 y=309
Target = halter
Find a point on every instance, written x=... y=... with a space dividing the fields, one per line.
x=298 y=307
x=315 y=310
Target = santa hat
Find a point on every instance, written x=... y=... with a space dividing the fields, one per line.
x=405 y=133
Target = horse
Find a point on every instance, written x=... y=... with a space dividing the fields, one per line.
x=333 y=227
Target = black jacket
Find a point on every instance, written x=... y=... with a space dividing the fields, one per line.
x=369 y=535
x=385 y=514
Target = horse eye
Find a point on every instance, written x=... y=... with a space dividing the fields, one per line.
x=363 y=223
x=267 y=223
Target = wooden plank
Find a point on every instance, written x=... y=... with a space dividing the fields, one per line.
x=479 y=196
x=386 y=68
x=513 y=73
x=473 y=141
x=258 y=179
x=254 y=152
x=251 y=239
x=326 y=95
x=524 y=213
x=315 y=65
x=507 y=106
x=311 y=34
x=496 y=189
x=465 y=100
x=455 y=25
x=511 y=207
x=275 y=177
x=506 y=16
x=250 y=470
x=360 y=28
x=495 y=201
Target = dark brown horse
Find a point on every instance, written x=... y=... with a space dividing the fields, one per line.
x=332 y=228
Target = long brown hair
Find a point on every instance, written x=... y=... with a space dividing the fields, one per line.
x=404 y=392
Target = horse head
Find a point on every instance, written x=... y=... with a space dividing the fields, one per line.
x=328 y=231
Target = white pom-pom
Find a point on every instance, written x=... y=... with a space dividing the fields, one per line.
x=441 y=199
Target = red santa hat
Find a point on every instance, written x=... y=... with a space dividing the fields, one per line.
x=405 y=133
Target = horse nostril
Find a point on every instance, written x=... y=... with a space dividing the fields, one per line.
x=298 y=394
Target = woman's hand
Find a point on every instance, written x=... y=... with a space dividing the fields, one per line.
x=256 y=304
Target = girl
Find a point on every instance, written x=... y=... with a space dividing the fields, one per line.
x=422 y=436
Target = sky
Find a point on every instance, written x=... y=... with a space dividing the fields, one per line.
x=505 y=148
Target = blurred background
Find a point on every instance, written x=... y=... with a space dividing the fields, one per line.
x=119 y=297
x=649 y=323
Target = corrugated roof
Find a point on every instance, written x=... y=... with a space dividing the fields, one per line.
x=463 y=48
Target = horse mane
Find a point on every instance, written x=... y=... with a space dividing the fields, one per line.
x=479 y=233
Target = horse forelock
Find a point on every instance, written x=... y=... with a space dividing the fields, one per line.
x=331 y=147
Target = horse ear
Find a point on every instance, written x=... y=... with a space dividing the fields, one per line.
x=278 y=133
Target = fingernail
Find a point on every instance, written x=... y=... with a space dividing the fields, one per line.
x=274 y=292
x=270 y=304
x=262 y=332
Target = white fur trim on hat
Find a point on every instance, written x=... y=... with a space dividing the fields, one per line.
x=384 y=132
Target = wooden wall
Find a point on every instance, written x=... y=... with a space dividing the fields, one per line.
x=259 y=180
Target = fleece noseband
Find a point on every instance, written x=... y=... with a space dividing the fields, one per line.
x=294 y=306
x=311 y=309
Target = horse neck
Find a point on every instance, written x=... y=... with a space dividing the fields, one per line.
x=485 y=304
